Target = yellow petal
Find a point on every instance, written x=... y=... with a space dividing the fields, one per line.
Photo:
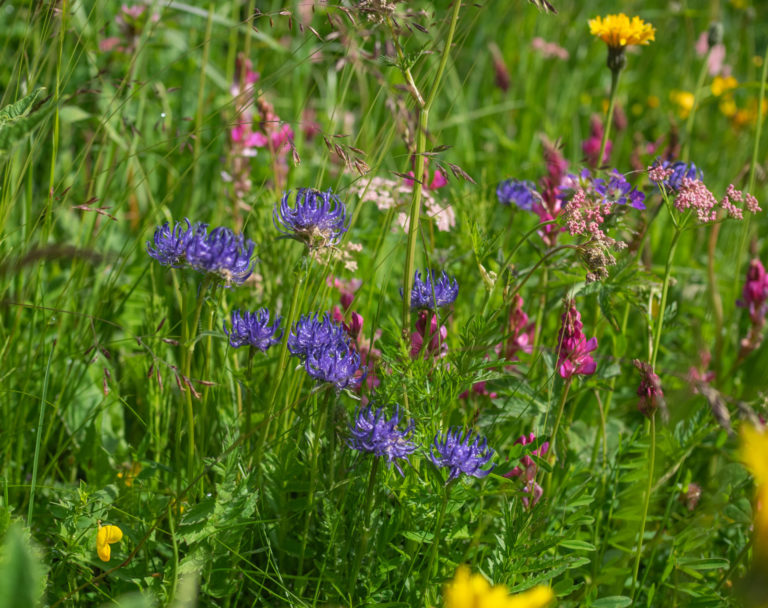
x=104 y=537
x=538 y=597
x=105 y=553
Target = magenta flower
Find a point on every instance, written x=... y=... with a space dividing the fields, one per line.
x=520 y=334
x=434 y=338
x=573 y=346
x=591 y=146
x=527 y=472
x=755 y=300
x=649 y=391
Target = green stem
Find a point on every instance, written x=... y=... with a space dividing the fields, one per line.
x=369 y=493
x=558 y=419
x=435 y=544
x=664 y=292
x=689 y=123
x=648 y=491
x=312 y=483
x=421 y=144
x=615 y=73
x=39 y=433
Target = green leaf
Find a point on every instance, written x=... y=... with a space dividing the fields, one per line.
x=577 y=545
x=612 y=601
x=19 y=118
x=706 y=563
x=21 y=571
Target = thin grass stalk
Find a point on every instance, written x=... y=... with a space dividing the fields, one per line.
x=615 y=73
x=558 y=419
x=664 y=292
x=38 y=435
x=685 y=156
x=435 y=544
x=364 y=537
x=646 y=503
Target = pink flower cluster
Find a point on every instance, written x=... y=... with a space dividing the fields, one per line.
x=527 y=470
x=693 y=194
x=573 y=347
x=754 y=297
x=429 y=342
x=649 y=390
x=551 y=206
x=520 y=333
x=549 y=49
x=733 y=196
x=658 y=173
x=591 y=146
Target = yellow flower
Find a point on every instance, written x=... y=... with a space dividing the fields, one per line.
x=722 y=85
x=618 y=31
x=684 y=101
x=472 y=591
x=106 y=536
x=754 y=453
x=131 y=474
x=728 y=106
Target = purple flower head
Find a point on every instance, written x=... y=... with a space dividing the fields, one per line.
x=171 y=245
x=649 y=390
x=310 y=333
x=618 y=190
x=317 y=218
x=222 y=252
x=521 y=193
x=573 y=346
x=337 y=363
x=680 y=170
x=456 y=451
x=429 y=293
x=253 y=328
x=372 y=432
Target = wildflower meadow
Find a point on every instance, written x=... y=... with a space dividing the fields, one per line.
x=408 y=304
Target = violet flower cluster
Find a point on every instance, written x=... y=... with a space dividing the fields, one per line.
x=522 y=193
x=253 y=329
x=528 y=469
x=433 y=292
x=325 y=349
x=573 y=350
x=316 y=219
x=374 y=433
x=220 y=252
x=456 y=451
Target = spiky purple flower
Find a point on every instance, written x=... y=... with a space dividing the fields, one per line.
x=458 y=452
x=311 y=332
x=618 y=190
x=680 y=170
x=254 y=329
x=316 y=219
x=170 y=245
x=336 y=363
x=520 y=192
x=429 y=293
x=372 y=432
x=222 y=252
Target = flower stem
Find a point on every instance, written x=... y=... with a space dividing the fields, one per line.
x=435 y=544
x=615 y=73
x=364 y=537
x=558 y=419
x=664 y=291
x=421 y=144
x=689 y=123
x=648 y=490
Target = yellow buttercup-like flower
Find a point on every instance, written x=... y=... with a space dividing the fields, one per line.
x=722 y=85
x=469 y=590
x=754 y=453
x=106 y=536
x=618 y=31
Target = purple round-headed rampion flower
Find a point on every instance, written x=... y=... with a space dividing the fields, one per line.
x=458 y=452
x=680 y=170
x=372 y=432
x=222 y=252
x=429 y=293
x=520 y=192
x=336 y=363
x=170 y=245
x=254 y=329
x=311 y=332
x=618 y=190
x=317 y=218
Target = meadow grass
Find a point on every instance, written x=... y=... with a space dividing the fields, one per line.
x=231 y=472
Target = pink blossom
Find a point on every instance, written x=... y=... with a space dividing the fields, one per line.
x=693 y=194
x=573 y=346
x=649 y=390
x=701 y=373
x=436 y=346
x=520 y=334
x=591 y=146
x=549 y=49
x=479 y=388
x=528 y=469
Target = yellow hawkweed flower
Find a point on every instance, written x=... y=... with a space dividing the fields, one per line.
x=618 y=31
x=472 y=591
x=131 y=474
x=754 y=453
x=722 y=85
x=684 y=101
x=106 y=536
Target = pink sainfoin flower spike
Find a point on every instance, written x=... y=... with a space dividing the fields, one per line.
x=701 y=374
x=527 y=470
x=591 y=146
x=649 y=390
x=436 y=346
x=573 y=347
x=754 y=297
x=551 y=205
x=520 y=333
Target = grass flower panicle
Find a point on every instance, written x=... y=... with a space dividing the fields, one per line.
x=457 y=451
x=469 y=590
x=573 y=347
x=619 y=31
x=254 y=329
x=376 y=434
x=317 y=218
x=431 y=293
